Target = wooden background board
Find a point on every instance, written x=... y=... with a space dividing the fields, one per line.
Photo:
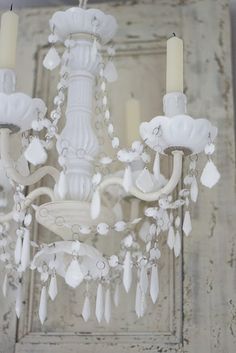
x=199 y=288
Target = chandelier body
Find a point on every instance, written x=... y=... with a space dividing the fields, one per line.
x=78 y=207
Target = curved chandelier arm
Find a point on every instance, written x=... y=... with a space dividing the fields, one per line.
x=155 y=195
x=29 y=200
x=11 y=171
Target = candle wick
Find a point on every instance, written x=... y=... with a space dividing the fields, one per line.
x=11 y=7
x=174 y=35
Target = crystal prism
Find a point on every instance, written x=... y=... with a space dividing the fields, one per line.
x=210 y=175
x=154 y=284
x=107 y=311
x=171 y=238
x=52 y=59
x=194 y=190
x=138 y=298
x=18 y=305
x=187 y=224
x=127 y=274
x=156 y=166
x=99 y=303
x=25 y=254
x=74 y=275
x=43 y=305
x=18 y=250
x=52 y=290
x=86 y=312
x=116 y=297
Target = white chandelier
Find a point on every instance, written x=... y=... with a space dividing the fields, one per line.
x=87 y=200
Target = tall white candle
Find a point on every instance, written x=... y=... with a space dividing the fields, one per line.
x=174 y=65
x=8 y=39
x=132 y=120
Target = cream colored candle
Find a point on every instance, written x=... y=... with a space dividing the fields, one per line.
x=8 y=39
x=174 y=65
x=132 y=120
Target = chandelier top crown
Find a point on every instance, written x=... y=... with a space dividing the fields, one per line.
x=77 y=20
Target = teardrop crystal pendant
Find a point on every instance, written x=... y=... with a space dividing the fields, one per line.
x=62 y=186
x=187 y=224
x=18 y=305
x=86 y=312
x=194 y=189
x=138 y=298
x=171 y=238
x=110 y=72
x=99 y=311
x=52 y=59
x=18 y=250
x=144 y=181
x=116 y=297
x=43 y=305
x=210 y=175
x=127 y=179
x=74 y=275
x=35 y=153
x=95 y=205
x=156 y=166
x=52 y=290
x=127 y=274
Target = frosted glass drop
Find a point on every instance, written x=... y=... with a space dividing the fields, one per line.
x=138 y=297
x=120 y=226
x=187 y=224
x=74 y=275
x=127 y=274
x=52 y=290
x=143 y=304
x=86 y=312
x=154 y=284
x=62 y=186
x=210 y=175
x=28 y=220
x=116 y=297
x=103 y=228
x=52 y=59
x=43 y=305
x=113 y=261
x=25 y=254
x=110 y=72
x=95 y=205
x=35 y=153
x=127 y=180
x=210 y=148
x=107 y=312
x=99 y=303
x=18 y=305
x=194 y=190
x=144 y=181
x=4 y=285
x=156 y=166
x=18 y=250
x=177 y=244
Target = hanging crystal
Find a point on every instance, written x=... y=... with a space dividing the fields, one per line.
x=171 y=238
x=52 y=59
x=35 y=152
x=107 y=311
x=43 y=305
x=187 y=225
x=116 y=296
x=177 y=244
x=156 y=166
x=194 y=189
x=74 y=275
x=52 y=290
x=18 y=250
x=127 y=180
x=99 y=303
x=127 y=274
x=210 y=175
x=25 y=254
x=138 y=298
x=154 y=284
x=86 y=312
x=18 y=305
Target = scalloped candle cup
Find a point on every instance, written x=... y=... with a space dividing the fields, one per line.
x=20 y=110
x=178 y=131
x=77 y=20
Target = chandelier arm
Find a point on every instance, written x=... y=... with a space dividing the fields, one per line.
x=29 y=200
x=155 y=195
x=11 y=171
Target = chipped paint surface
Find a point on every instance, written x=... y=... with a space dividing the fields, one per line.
x=202 y=317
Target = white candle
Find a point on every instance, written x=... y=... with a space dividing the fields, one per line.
x=8 y=39
x=132 y=120
x=174 y=65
